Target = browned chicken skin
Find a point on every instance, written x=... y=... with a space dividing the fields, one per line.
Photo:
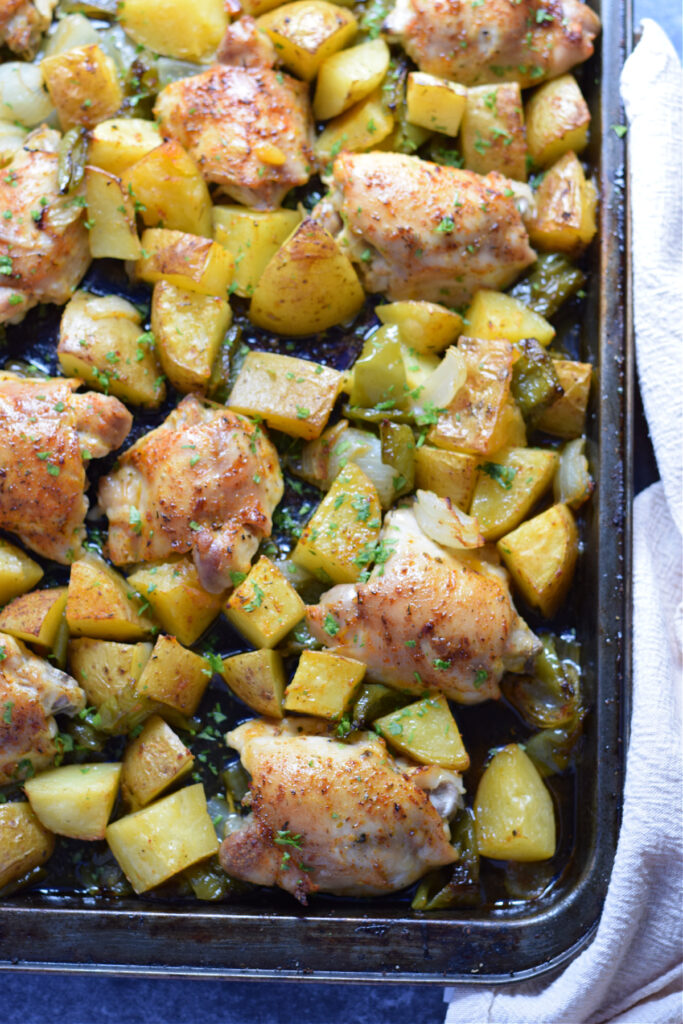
x=417 y=230
x=31 y=691
x=336 y=817
x=523 y=41
x=249 y=129
x=206 y=481
x=244 y=46
x=22 y=23
x=44 y=249
x=47 y=436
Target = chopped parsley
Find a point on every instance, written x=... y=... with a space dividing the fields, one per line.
x=503 y=475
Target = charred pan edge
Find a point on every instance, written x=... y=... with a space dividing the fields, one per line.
x=386 y=941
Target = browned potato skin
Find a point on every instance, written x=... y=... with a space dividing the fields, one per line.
x=257 y=678
x=306 y=32
x=83 y=85
x=24 y=843
x=557 y=120
x=153 y=761
x=567 y=416
x=174 y=676
x=35 y=617
x=188 y=261
x=564 y=220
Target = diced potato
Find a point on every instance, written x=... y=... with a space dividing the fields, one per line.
x=169 y=190
x=116 y=144
x=306 y=32
x=361 y=127
x=427 y=733
x=565 y=209
x=100 y=605
x=424 y=326
x=292 y=395
x=111 y=215
x=323 y=684
x=174 y=676
x=24 y=843
x=257 y=678
x=158 y=841
x=451 y=475
x=75 y=800
x=492 y=136
x=567 y=416
x=179 y=602
x=557 y=119
x=83 y=85
x=541 y=555
x=435 y=103
x=308 y=286
x=187 y=261
x=18 y=572
x=513 y=810
x=102 y=342
x=475 y=422
x=349 y=76
x=108 y=672
x=188 y=328
x=507 y=489
x=176 y=28
x=494 y=315
x=153 y=761
x=265 y=607
x=338 y=541
x=35 y=617
x=253 y=237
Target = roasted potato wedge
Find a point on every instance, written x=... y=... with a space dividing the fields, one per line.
x=100 y=605
x=492 y=135
x=349 y=76
x=265 y=607
x=565 y=208
x=513 y=810
x=35 y=617
x=450 y=475
x=257 y=678
x=25 y=843
x=425 y=327
x=435 y=103
x=176 y=28
x=306 y=32
x=494 y=315
x=557 y=120
x=567 y=416
x=179 y=602
x=174 y=676
x=111 y=217
x=169 y=190
x=187 y=261
x=83 y=85
x=507 y=489
x=253 y=237
x=323 y=684
x=362 y=127
x=426 y=732
x=153 y=762
x=541 y=555
x=18 y=572
x=108 y=671
x=75 y=800
x=118 y=143
x=188 y=329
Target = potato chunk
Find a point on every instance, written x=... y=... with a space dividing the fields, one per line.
x=557 y=119
x=507 y=489
x=83 y=85
x=99 y=604
x=265 y=607
x=292 y=395
x=111 y=215
x=565 y=208
x=155 y=760
x=118 y=143
x=169 y=190
x=253 y=237
x=425 y=327
x=108 y=672
x=158 y=841
x=349 y=76
x=435 y=103
x=102 y=342
x=187 y=261
x=567 y=416
x=174 y=676
x=450 y=475
x=257 y=678
x=24 y=843
x=339 y=539
x=492 y=135
x=75 y=800
x=541 y=555
x=35 y=617
x=188 y=328
x=323 y=684
x=18 y=572
x=494 y=315
x=426 y=732
x=362 y=127
x=176 y=28
x=514 y=816
x=306 y=32
x=178 y=600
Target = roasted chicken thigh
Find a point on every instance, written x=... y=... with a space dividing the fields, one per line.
x=336 y=817
x=22 y=23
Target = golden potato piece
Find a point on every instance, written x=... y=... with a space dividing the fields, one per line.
x=450 y=475
x=323 y=684
x=155 y=760
x=306 y=32
x=174 y=676
x=494 y=315
x=509 y=487
x=179 y=602
x=492 y=136
x=118 y=143
x=75 y=800
x=308 y=286
x=362 y=127
x=176 y=28
x=35 y=617
x=425 y=327
x=253 y=237
x=188 y=261
x=24 y=843
x=257 y=678
x=18 y=572
x=427 y=733
x=169 y=190
x=567 y=416
x=108 y=671
x=189 y=329
x=83 y=85
x=435 y=103
x=565 y=208
x=100 y=605
x=513 y=810
x=349 y=76
x=557 y=119
x=265 y=607
x=541 y=555
x=158 y=841
x=111 y=215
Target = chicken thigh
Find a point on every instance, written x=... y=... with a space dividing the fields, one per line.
x=417 y=230
x=31 y=691
x=44 y=249
x=428 y=620
x=47 y=435
x=206 y=481
x=249 y=129
x=22 y=23
x=523 y=41
x=336 y=817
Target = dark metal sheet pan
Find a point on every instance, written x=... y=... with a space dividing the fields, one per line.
x=385 y=940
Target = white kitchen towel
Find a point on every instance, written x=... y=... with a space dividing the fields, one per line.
x=631 y=973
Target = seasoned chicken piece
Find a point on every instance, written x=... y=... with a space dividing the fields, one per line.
x=244 y=46
x=31 y=691
x=44 y=248
x=336 y=817
x=206 y=481
x=22 y=23
x=428 y=620
x=523 y=41
x=47 y=435
x=416 y=230
x=250 y=129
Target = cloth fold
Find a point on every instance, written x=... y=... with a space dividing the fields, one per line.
x=631 y=973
